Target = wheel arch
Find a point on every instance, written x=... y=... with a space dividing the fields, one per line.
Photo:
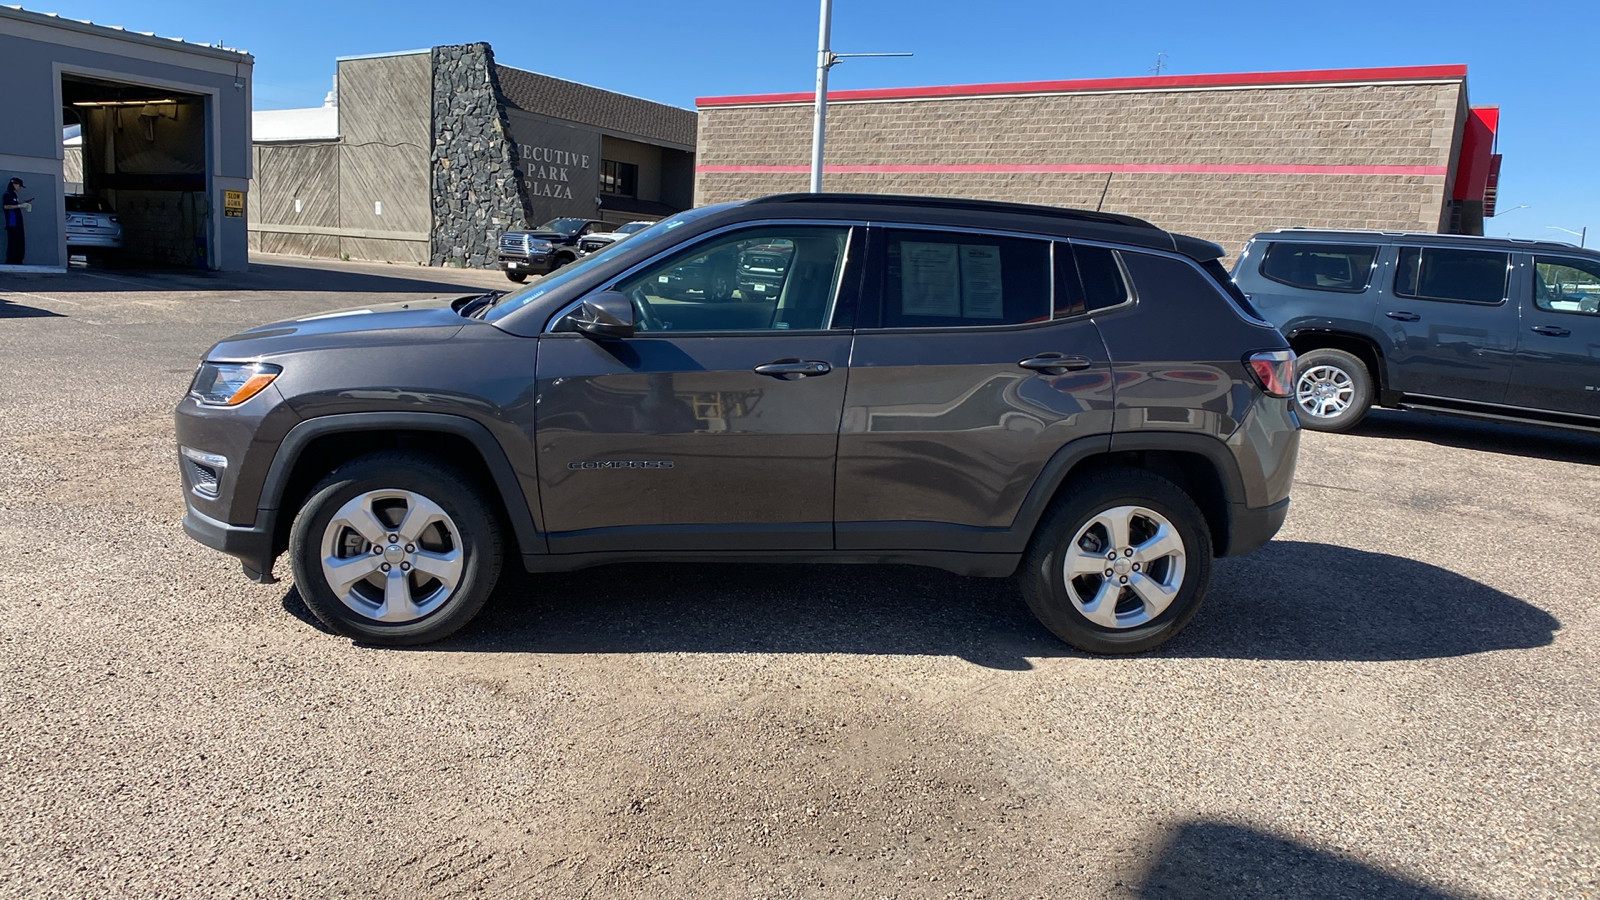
x=1361 y=347
x=316 y=446
x=1201 y=466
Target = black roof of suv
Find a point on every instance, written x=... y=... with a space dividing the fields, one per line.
x=989 y=388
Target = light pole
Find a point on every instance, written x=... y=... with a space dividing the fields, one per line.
x=826 y=59
x=1582 y=236
x=1500 y=212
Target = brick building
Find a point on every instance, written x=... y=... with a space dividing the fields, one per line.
x=1218 y=156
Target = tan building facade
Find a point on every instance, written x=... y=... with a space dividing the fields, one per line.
x=1217 y=156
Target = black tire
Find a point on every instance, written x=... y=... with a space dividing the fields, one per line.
x=1346 y=369
x=518 y=277
x=1046 y=588
x=561 y=260
x=469 y=526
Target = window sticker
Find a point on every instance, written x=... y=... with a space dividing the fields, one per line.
x=981 y=296
x=930 y=278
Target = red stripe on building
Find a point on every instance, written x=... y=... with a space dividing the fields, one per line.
x=1143 y=83
x=1088 y=168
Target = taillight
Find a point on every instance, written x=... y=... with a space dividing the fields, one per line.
x=1274 y=371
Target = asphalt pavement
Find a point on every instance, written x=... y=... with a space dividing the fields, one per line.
x=1396 y=698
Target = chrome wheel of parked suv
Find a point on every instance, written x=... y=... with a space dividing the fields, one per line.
x=1120 y=564
x=395 y=549
x=1332 y=390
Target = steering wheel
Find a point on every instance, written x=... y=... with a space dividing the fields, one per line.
x=641 y=308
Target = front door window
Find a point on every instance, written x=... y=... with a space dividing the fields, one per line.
x=775 y=278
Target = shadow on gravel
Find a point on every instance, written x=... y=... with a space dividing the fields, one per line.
x=1210 y=860
x=1295 y=600
x=1491 y=437
x=10 y=309
x=1289 y=601
x=683 y=608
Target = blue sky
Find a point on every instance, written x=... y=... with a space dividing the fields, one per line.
x=1534 y=60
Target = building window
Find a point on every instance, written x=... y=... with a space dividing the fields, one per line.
x=619 y=178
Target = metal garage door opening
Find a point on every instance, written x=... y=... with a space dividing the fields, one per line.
x=142 y=165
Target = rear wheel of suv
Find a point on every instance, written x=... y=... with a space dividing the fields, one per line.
x=1332 y=390
x=518 y=277
x=1120 y=564
x=395 y=549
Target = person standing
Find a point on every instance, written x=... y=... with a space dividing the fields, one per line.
x=16 y=241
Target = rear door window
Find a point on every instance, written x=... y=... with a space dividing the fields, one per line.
x=1320 y=267
x=1563 y=284
x=941 y=279
x=1463 y=276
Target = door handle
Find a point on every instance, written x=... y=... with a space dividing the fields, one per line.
x=793 y=369
x=1552 y=330
x=1404 y=316
x=1055 y=363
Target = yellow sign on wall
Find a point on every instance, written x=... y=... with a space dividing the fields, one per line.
x=233 y=204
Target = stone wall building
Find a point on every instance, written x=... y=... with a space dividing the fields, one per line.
x=428 y=156
x=1218 y=156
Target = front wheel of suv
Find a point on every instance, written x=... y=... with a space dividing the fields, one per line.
x=1120 y=564
x=1332 y=390
x=395 y=549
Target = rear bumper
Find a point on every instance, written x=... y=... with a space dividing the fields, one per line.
x=105 y=241
x=250 y=544
x=1250 y=528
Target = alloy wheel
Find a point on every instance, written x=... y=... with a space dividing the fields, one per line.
x=1124 y=567
x=1324 y=391
x=392 y=556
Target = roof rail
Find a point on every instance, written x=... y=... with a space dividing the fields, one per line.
x=907 y=200
x=1427 y=235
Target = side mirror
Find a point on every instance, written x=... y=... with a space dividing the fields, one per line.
x=607 y=315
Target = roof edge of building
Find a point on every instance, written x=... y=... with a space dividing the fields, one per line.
x=1109 y=85
x=592 y=87
x=117 y=32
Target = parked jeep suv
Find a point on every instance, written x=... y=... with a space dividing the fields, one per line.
x=1080 y=399
x=1492 y=328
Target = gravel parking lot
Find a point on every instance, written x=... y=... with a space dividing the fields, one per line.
x=1397 y=698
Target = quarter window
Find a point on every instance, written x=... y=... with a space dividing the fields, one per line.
x=1320 y=267
x=941 y=279
x=764 y=278
x=1468 y=276
x=1101 y=273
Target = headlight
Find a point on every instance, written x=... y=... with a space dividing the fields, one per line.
x=229 y=384
x=537 y=246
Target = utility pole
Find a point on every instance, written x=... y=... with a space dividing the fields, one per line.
x=1161 y=63
x=826 y=59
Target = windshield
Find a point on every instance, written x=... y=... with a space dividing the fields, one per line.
x=517 y=299
x=563 y=226
x=631 y=227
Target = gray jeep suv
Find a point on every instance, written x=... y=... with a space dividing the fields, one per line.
x=1491 y=328
x=1078 y=399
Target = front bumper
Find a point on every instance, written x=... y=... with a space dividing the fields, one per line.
x=532 y=265
x=250 y=544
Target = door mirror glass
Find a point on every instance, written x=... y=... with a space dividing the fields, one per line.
x=607 y=315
